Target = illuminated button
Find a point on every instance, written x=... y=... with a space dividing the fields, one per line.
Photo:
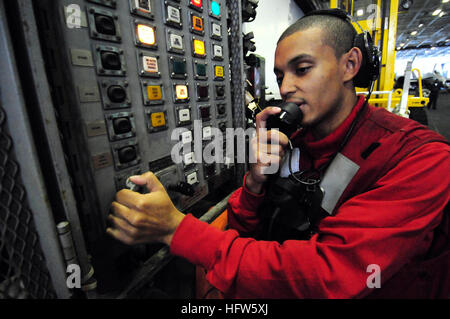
x=173 y=14
x=196 y=3
x=127 y=154
x=197 y=23
x=218 y=51
x=111 y=60
x=186 y=137
x=216 y=30
x=199 y=48
x=150 y=64
x=200 y=69
x=184 y=115
x=146 y=34
x=116 y=94
x=176 y=41
x=158 y=119
x=122 y=125
x=203 y=91
x=181 y=92
x=218 y=70
x=143 y=6
x=154 y=92
x=105 y=24
x=215 y=8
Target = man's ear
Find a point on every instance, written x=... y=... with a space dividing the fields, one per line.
x=352 y=63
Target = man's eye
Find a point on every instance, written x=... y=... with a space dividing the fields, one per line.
x=303 y=70
x=279 y=81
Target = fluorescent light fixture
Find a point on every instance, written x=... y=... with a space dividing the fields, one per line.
x=402 y=44
x=420 y=25
x=445 y=1
x=414 y=33
x=360 y=12
x=441 y=14
x=436 y=12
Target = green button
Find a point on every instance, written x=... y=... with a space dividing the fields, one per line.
x=201 y=69
x=178 y=67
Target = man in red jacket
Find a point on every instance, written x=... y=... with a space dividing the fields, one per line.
x=384 y=210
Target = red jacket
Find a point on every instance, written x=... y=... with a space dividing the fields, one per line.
x=387 y=217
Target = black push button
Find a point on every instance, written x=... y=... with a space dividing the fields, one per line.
x=221 y=109
x=220 y=89
x=122 y=125
x=223 y=127
x=105 y=24
x=203 y=91
x=111 y=60
x=117 y=94
x=127 y=154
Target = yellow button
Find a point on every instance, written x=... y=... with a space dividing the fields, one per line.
x=199 y=47
x=219 y=71
x=182 y=92
x=146 y=34
x=154 y=92
x=158 y=119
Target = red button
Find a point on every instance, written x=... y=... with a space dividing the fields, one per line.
x=197 y=3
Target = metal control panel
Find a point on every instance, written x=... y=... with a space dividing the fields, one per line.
x=125 y=74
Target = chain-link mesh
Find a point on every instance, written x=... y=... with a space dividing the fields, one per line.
x=23 y=273
x=236 y=64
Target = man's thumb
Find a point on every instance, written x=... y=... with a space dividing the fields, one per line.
x=148 y=179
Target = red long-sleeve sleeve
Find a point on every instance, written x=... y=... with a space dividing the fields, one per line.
x=388 y=226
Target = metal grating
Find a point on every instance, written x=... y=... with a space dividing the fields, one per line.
x=23 y=273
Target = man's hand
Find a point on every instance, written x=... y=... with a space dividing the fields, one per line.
x=144 y=218
x=268 y=148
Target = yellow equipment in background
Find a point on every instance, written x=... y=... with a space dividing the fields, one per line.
x=369 y=15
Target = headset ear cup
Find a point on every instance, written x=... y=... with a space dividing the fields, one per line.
x=362 y=79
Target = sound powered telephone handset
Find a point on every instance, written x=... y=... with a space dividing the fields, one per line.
x=288 y=120
x=291 y=203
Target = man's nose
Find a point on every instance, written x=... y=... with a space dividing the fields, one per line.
x=287 y=86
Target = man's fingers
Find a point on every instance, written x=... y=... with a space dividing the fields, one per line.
x=124 y=226
x=131 y=216
x=262 y=117
x=121 y=236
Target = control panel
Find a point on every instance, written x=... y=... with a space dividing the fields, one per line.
x=134 y=80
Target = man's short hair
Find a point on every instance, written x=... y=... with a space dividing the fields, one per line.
x=337 y=33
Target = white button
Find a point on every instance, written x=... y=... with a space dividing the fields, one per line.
x=192 y=178
x=186 y=137
x=150 y=64
x=184 y=115
x=189 y=158
x=216 y=30
x=173 y=14
x=176 y=41
x=217 y=51
x=207 y=132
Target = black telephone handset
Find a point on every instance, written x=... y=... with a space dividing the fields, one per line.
x=288 y=120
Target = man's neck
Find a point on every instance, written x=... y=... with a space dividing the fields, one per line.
x=343 y=111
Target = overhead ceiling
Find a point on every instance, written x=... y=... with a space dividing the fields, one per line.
x=434 y=30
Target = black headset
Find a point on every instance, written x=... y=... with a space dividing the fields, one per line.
x=370 y=66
